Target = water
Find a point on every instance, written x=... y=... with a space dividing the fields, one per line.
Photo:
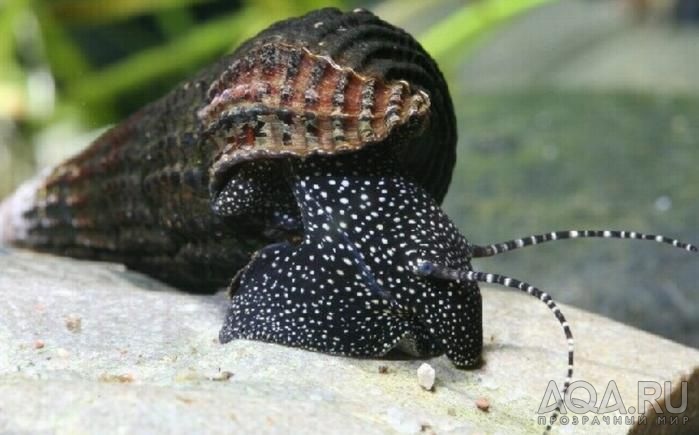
x=534 y=162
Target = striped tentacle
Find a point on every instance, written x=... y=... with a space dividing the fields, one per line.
x=499 y=248
x=428 y=268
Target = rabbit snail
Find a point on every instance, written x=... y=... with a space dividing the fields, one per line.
x=324 y=145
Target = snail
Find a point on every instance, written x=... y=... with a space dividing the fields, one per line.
x=306 y=169
x=152 y=191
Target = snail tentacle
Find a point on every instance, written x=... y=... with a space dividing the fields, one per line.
x=510 y=245
x=427 y=268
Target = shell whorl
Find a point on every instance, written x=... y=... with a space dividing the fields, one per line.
x=327 y=83
x=281 y=100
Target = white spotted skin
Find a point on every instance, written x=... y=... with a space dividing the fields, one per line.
x=350 y=287
x=257 y=193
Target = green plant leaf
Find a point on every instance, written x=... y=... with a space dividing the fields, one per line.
x=99 y=11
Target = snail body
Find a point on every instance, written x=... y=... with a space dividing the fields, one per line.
x=349 y=286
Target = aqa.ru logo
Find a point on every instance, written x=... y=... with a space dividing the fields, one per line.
x=649 y=392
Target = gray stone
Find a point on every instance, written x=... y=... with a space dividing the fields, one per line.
x=90 y=347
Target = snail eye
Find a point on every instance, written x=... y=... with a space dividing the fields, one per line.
x=425 y=268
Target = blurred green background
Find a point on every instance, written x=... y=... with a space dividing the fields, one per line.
x=572 y=114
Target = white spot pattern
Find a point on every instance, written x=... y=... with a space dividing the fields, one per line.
x=361 y=295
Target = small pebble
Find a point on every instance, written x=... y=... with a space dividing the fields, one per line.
x=427 y=428
x=425 y=376
x=126 y=378
x=73 y=323
x=184 y=399
x=39 y=344
x=483 y=404
x=222 y=376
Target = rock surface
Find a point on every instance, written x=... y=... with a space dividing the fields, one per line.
x=90 y=347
